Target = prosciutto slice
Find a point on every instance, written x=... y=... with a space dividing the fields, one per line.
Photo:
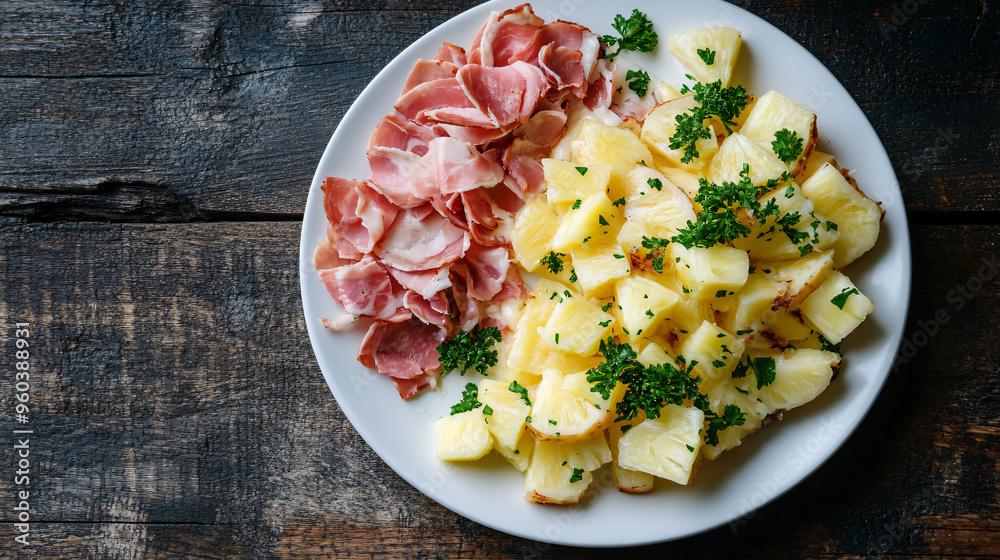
x=422 y=243
x=507 y=94
x=428 y=71
x=363 y=289
x=358 y=213
x=406 y=352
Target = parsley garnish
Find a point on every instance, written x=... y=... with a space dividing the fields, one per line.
x=469 y=350
x=731 y=416
x=636 y=34
x=714 y=100
x=825 y=344
x=576 y=205
x=601 y=220
x=516 y=387
x=764 y=368
x=638 y=81
x=788 y=145
x=657 y=249
x=470 y=400
x=582 y=170
x=621 y=202
x=841 y=299
x=691 y=449
x=553 y=261
x=572 y=276
x=577 y=475
x=553 y=422
x=707 y=56
x=655 y=183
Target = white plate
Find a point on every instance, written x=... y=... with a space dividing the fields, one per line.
x=771 y=461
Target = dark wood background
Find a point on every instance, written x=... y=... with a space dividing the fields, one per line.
x=154 y=164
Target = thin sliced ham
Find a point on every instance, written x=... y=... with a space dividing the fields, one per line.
x=406 y=352
x=453 y=54
x=358 y=213
x=363 y=289
x=395 y=131
x=433 y=311
x=422 y=243
x=507 y=36
x=428 y=71
x=509 y=94
x=426 y=283
x=484 y=270
x=533 y=142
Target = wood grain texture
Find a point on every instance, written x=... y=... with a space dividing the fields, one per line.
x=140 y=111
x=181 y=414
x=155 y=162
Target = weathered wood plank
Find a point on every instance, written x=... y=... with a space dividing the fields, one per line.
x=180 y=413
x=210 y=110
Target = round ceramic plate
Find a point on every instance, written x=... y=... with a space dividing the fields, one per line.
x=771 y=461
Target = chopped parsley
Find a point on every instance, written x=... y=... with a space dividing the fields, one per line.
x=516 y=387
x=572 y=276
x=470 y=350
x=607 y=306
x=825 y=344
x=830 y=226
x=764 y=369
x=577 y=475
x=470 y=400
x=576 y=205
x=788 y=145
x=605 y=323
x=657 y=250
x=691 y=449
x=655 y=183
x=638 y=81
x=840 y=300
x=553 y=261
x=636 y=34
x=551 y=421
x=601 y=220
x=707 y=56
x=731 y=416
x=581 y=170
x=621 y=202
x=726 y=103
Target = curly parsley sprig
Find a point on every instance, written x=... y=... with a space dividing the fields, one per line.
x=636 y=34
x=725 y=103
x=470 y=350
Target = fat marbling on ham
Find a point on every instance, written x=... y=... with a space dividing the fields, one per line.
x=418 y=251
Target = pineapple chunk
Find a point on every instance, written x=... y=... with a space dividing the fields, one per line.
x=724 y=42
x=816 y=160
x=598 y=265
x=783 y=328
x=509 y=411
x=710 y=272
x=576 y=325
x=837 y=307
x=774 y=112
x=654 y=354
x=529 y=355
x=655 y=208
x=559 y=473
x=594 y=219
x=856 y=215
x=688 y=314
x=627 y=480
x=566 y=409
x=568 y=182
x=801 y=374
x=661 y=123
x=736 y=151
x=685 y=181
x=644 y=304
x=742 y=393
x=667 y=92
x=716 y=352
x=667 y=446
x=800 y=277
x=754 y=304
x=796 y=231
x=463 y=436
x=520 y=455
x=534 y=227
x=597 y=142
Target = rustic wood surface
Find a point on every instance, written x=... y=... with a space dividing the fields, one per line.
x=154 y=163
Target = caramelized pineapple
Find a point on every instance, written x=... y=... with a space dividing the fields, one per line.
x=801 y=374
x=736 y=151
x=716 y=351
x=627 y=480
x=509 y=411
x=661 y=123
x=710 y=272
x=644 y=304
x=655 y=208
x=591 y=220
x=576 y=325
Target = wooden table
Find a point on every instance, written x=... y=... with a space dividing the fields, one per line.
x=154 y=164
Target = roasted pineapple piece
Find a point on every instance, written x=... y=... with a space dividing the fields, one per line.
x=520 y=455
x=800 y=375
x=709 y=53
x=509 y=411
x=857 y=216
x=667 y=446
x=798 y=277
x=773 y=113
x=661 y=123
x=576 y=325
x=534 y=228
x=566 y=409
x=736 y=151
x=712 y=272
x=837 y=307
x=463 y=436
x=620 y=148
x=742 y=393
x=716 y=351
x=816 y=160
x=644 y=305
x=754 y=304
x=655 y=208
x=627 y=480
x=567 y=182
x=592 y=220
x=598 y=264
x=797 y=229
x=560 y=472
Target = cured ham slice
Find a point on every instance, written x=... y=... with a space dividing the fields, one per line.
x=428 y=71
x=507 y=94
x=363 y=289
x=506 y=36
x=433 y=311
x=426 y=283
x=446 y=93
x=453 y=54
x=484 y=271
x=422 y=243
x=534 y=141
x=395 y=131
x=358 y=213
x=406 y=352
